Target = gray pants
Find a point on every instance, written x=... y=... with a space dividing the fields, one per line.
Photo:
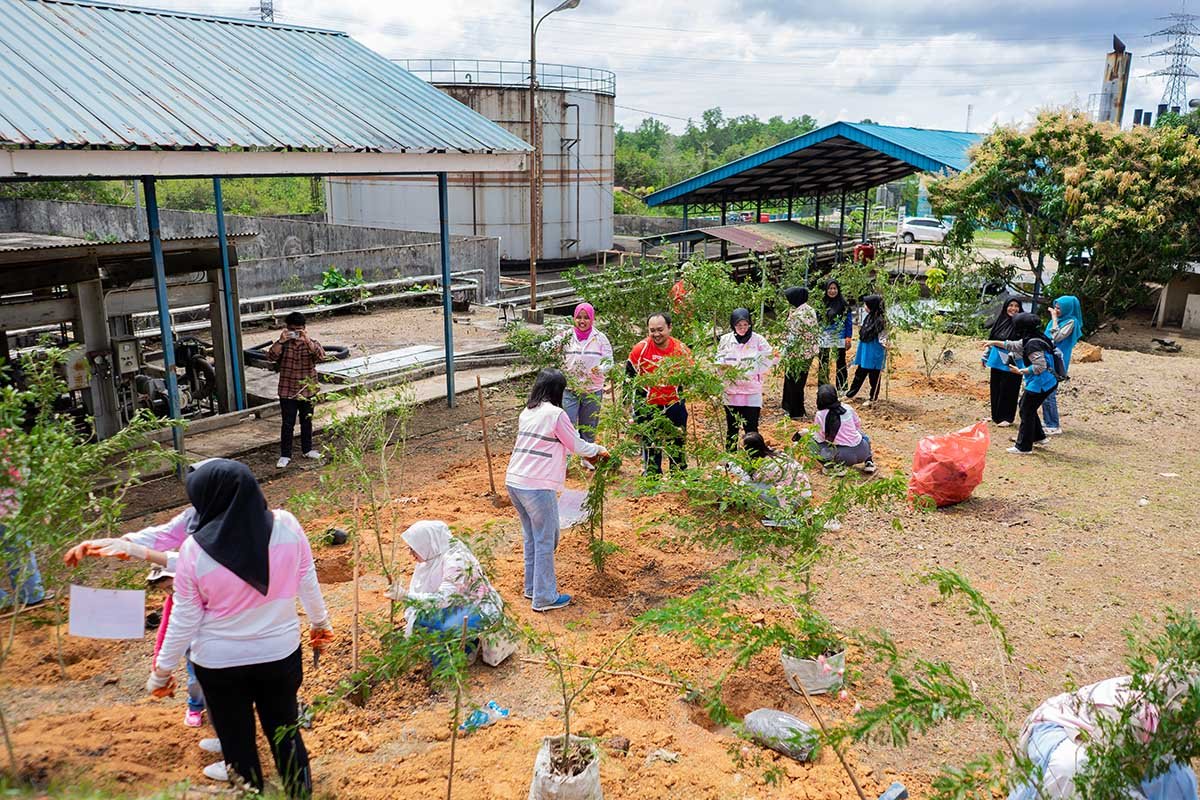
x=849 y=456
x=584 y=412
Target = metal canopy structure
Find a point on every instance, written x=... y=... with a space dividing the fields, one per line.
x=98 y=90
x=842 y=157
x=766 y=237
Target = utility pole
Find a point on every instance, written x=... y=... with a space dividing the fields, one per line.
x=1183 y=30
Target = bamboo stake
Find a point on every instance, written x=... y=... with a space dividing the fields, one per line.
x=457 y=702
x=354 y=630
x=824 y=732
x=487 y=449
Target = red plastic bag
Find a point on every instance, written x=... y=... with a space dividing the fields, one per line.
x=947 y=468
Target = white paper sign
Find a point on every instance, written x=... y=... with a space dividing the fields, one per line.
x=107 y=613
x=570 y=508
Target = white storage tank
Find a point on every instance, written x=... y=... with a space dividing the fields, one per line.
x=576 y=112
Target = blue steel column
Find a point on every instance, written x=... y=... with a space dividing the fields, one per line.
x=164 y=310
x=447 y=309
x=232 y=334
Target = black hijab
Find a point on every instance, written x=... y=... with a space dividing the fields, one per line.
x=1028 y=328
x=835 y=307
x=876 y=321
x=796 y=295
x=233 y=524
x=1002 y=327
x=827 y=400
x=737 y=316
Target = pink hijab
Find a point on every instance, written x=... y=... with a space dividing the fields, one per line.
x=587 y=309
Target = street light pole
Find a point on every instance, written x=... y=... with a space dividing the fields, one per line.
x=535 y=163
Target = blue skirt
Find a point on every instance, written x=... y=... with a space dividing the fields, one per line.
x=870 y=355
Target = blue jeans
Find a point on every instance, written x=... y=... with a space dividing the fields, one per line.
x=1050 y=411
x=538 y=510
x=451 y=620
x=584 y=412
x=23 y=576
x=195 y=700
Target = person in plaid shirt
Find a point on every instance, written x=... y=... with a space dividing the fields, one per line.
x=297 y=356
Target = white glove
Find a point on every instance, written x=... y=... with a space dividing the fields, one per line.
x=121 y=548
x=160 y=684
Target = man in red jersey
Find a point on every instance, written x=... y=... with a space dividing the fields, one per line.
x=660 y=399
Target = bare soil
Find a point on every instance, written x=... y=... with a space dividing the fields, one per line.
x=1058 y=542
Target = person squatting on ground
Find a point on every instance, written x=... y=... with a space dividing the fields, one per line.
x=587 y=358
x=1035 y=350
x=236 y=585
x=800 y=347
x=1065 y=329
x=744 y=358
x=1005 y=384
x=1059 y=733
x=536 y=474
x=871 y=355
x=448 y=584
x=778 y=478
x=297 y=356
x=839 y=436
x=837 y=332
x=661 y=399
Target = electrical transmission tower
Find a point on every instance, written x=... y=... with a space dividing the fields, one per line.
x=266 y=10
x=1183 y=30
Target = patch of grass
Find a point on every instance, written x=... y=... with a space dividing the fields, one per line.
x=992 y=238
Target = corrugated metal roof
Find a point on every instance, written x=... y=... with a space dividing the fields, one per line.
x=763 y=237
x=92 y=74
x=870 y=154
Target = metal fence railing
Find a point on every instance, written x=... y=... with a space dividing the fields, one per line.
x=468 y=71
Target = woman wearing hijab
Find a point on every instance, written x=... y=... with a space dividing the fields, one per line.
x=1005 y=384
x=1065 y=329
x=744 y=358
x=836 y=333
x=778 y=478
x=587 y=358
x=800 y=347
x=448 y=584
x=1035 y=350
x=536 y=473
x=237 y=580
x=871 y=354
x=839 y=436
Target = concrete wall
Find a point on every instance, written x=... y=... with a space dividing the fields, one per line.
x=632 y=225
x=289 y=252
x=1177 y=294
x=8 y=215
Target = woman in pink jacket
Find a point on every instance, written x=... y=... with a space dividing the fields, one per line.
x=744 y=358
x=587 y=358
x=237 y=580
x=537 y=470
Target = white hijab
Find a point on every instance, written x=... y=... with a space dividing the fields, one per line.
x=430 y=539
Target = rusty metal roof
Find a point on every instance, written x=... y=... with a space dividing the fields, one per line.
x=763 y=237
x=86 y=74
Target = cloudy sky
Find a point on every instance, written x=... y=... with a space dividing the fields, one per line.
x=920 y=62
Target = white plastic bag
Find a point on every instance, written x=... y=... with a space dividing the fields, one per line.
x=781 y=732
x=816 y=678
x=496 y=647
x=548 y=786
x=570 y=508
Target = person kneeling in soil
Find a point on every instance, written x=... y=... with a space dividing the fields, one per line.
x=839 y=436
x=448 y=584
x=1059 y=733
x=777 y=477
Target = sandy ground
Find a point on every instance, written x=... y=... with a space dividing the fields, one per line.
x=1057 y=541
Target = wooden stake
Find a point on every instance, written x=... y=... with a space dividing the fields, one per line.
x=837 y=750
x=487 y=449
x=354 y=630
x=462 y=643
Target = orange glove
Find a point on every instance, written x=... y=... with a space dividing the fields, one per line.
x=76 y=554
x=320 y=638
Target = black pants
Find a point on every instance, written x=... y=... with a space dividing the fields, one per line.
x=1031 y=430
x=823 y=371
x=1006 y=388
x=793 y=395
x=856 y=384
x=234 y=693
x=652 y=452
x=743 y=417
x=289 y=408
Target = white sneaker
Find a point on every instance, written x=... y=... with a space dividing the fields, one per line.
x=1003 y=424
x=282 y=462
x=1017 y=452
x=211 y=745
x=832 y=525
x=217 y=772
x=314 y=455
x=1053 y=431
x=869 y=467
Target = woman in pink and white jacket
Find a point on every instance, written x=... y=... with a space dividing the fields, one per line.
x=237 y=580
x=536 y=473
x=745 y=358
x=587 y=359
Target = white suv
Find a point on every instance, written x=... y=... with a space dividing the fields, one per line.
x=923 y=229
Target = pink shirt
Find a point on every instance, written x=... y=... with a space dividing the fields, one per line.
x=587 y=361
x=849 y=435
x=750 y=362
x=539 y=458
x=229 y=624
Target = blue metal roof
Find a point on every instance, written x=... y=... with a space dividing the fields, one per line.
x=844 y=156
x=91 y=74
